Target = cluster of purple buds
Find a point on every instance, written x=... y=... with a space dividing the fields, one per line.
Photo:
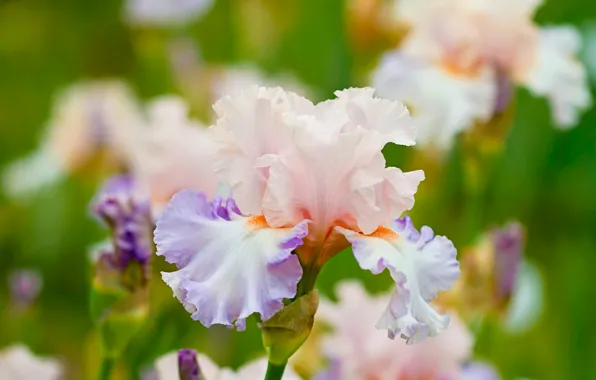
x=128 y=217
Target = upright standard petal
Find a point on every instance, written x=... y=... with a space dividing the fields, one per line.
x=230 y=266
x=290 y=160
x=250 y=126
x=360 y=108
x=420 y=264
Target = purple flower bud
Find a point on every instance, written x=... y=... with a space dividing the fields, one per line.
x=504 y=92
x=128 y=217
x=508 y=243
x=25 y=285
x=188 y=366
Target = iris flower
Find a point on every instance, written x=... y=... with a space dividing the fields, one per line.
x=306 y=182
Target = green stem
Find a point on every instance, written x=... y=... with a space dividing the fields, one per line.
x=307 y=282
x=106 y=369
x=275 y=371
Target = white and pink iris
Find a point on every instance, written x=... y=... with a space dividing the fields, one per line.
x=457 y=55
x=307 y=180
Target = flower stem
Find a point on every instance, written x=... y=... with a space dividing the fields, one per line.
x=106 y=369
x=275 y=371
x=308 y=281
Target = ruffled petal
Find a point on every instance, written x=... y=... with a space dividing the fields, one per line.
x=250 y=125
x=390 y=119
x=273 y=146
x=421 y=265
x=230 y=266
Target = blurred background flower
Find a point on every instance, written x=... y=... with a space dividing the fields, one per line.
x=81 y=88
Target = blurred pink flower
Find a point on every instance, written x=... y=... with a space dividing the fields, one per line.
x=360 y=352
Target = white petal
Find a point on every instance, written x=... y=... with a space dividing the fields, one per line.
x=421 y=265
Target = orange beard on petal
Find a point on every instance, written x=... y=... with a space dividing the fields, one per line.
x=383 y=233
x=257 y=222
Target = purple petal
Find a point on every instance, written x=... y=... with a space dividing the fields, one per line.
x=229 y=268
x=128 y=217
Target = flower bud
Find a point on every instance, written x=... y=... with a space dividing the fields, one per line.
x=287 y=330
x=188 y=366
x=119 y=292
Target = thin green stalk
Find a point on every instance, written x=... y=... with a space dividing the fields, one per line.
x=106 y=369
x=307 y=282
x=275 y=371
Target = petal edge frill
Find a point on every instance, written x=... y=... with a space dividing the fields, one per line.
x=420 y=264
x=230 y=266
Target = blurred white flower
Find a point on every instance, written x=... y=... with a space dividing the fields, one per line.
x=459 y=50
x=165 y=12
x=442 y=102
x=88 y=119
x=167 y=369
x=19 y=363
x=560 y=76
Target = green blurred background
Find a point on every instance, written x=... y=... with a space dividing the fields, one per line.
x=545 y=178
